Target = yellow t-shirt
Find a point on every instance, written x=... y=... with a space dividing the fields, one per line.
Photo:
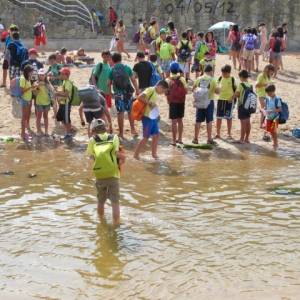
x=152 y=97
x=226 y=89
x=166 y=51
x=25 y=84
x=262 y=79
x=185 y=41
x=212 y=86
x=42 y=97
x=152 y=32
x=67 y=87
x=204 y=62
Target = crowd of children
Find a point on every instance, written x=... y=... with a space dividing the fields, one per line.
x=163 y=68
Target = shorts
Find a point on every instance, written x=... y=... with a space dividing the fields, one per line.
x=224 y=109
x=275 y=55
x=108 y=101
x=123 y=103
x=257 y=51
x=176 y=110
x=196 y=66
x=248 y=54
x=150 y=127
x=108 y=189
x=243 y=114
x=42 y=108
x=14 y=71
x=5 y=65
x=91 y=115
x=165 y=65
x=185 y=67
x=24 y=103
x=40 y=40
x=207 y=114
x=64 y=113
x=272 y=126
x=236 y=47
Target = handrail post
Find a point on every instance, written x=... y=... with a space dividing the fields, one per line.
x=88 y=11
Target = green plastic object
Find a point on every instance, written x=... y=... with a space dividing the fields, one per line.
x=7 y=139
x=196 y=146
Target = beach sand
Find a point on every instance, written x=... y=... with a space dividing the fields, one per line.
x=287 y=83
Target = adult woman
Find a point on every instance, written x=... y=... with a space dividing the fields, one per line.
x=211 y=43
x=276 y=47
x=235 y=39
x=263 y=40
x=120 y=33
x=257 y=49
x=172 y=31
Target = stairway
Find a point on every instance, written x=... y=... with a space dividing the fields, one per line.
x=73 y=10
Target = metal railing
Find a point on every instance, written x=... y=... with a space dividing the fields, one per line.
x=74 y=10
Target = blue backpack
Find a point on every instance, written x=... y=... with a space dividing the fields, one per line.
x=15 y=89
x=155 y=77
x=285 y=113
x=250 y=42
x=22 y=52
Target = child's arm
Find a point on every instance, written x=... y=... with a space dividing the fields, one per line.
x=134 y=83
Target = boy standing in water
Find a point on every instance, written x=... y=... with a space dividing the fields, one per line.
x=273 y=108
x=104 y=149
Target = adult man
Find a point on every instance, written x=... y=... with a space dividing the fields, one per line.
x=122 y=79
x=39 y=30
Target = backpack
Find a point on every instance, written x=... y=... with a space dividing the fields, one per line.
x=75 y=99
x=138 y=108
x=249 y=100
x=285 y=113
x=155 y=77
x=120 y=78
x=184 y=52
x=22 y=52
x=250 y=42
x=237 y=41
x=201 y=94
x=97 y=75
x=106 y=162
x=37 y=29
x=177 y=92
x=15 y=89
x=277 y=45
x=201 y=50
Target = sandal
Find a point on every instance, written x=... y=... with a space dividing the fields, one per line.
x=196 y=142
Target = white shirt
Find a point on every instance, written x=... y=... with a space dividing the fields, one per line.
x=1 y=27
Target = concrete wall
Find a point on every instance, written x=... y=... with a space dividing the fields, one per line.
x=199 y=14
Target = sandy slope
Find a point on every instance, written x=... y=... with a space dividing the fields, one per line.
x=288 y=84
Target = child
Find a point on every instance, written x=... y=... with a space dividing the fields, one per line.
x=151 y=116
x=166 y=54
x=25 y=100
x=200 y=50
x=207 y=61
x=42 y=101
x=184 y=51
x=263 y=80
x=243 y=115
x=105 y=150
x=273 y=108
x=153 y=60
x=64 y=96
x=248 y=48
x=176 y=99
x=34 y=62
x=226 y=100
x=207 y=114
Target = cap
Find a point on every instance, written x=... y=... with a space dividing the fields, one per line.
x=32 y=51
x=42 y=72
x=163 y=30
x=65 y=71
x=98 y=124
x=13 y=27
x=175 y=67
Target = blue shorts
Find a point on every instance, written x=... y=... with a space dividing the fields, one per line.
x=207 y=114
x=165 y=65
x=150 y=127
x=123 y=103
x=24 y=103
x=225 y=109
x=42 y=108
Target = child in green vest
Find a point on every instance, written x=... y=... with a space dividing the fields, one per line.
x=105 y=150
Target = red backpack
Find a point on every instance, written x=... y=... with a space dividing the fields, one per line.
x=177 y=91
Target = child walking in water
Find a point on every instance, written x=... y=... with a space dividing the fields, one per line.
x=151 y=115
x=43 y=101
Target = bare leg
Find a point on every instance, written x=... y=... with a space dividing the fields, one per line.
x=242 y=138
x=121 y=124
x=139 y=148
x=155 y=145
x=101 y=209
x=4 y=80
x=116 y=213
x=174 y=130
x=180 y=130
x=209 y=131
x=229 y=126
x=219 y=124
x=38 y=122
x=275 y=140
x=248 y=130
x=46 y=121
x=132 y=126
x=197 y=131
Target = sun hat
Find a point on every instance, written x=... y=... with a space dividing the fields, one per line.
x=32 y=51
x=98 y=124
x=163 y=30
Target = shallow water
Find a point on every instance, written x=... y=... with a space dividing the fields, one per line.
x=193 y=227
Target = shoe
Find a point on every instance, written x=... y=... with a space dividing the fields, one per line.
x=212 y=142
x=195 y=142
x=266 y=138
